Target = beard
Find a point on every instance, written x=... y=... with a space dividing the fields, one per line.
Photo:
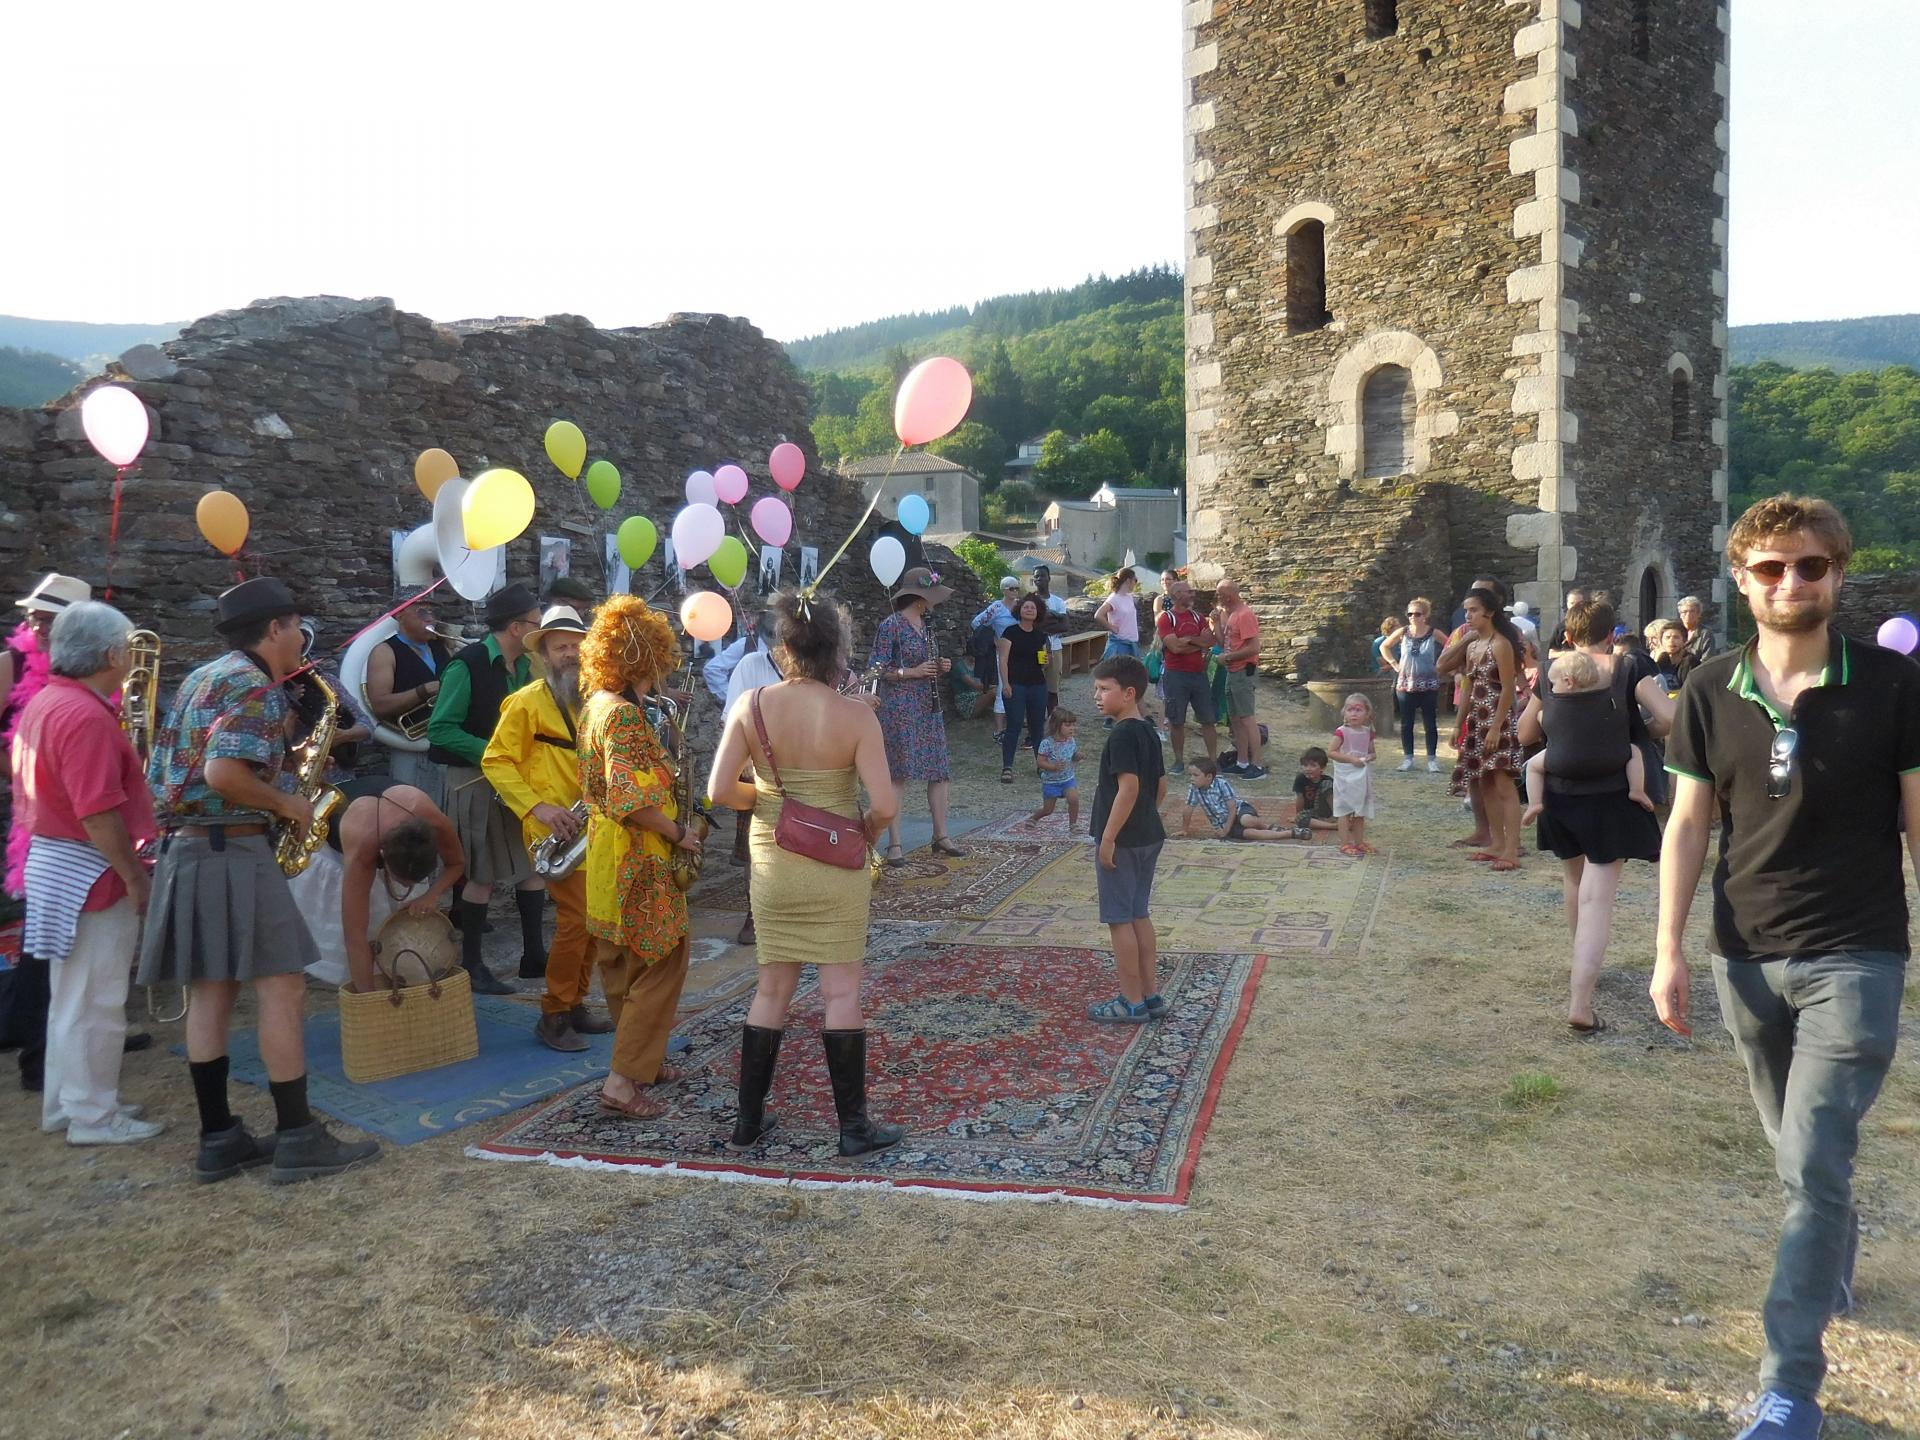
x=1792 y=618
x=565 y=681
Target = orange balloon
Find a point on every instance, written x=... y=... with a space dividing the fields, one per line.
x=432 y=470
x=222 y=518
x=705 y=615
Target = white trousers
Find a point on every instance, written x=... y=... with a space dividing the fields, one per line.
x=87 y=1018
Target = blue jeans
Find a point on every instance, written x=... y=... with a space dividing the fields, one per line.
x=1424 y=704
x=1117 y=646
x=1817 y=1036
x=1030 y=701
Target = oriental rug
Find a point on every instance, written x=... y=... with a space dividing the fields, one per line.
x=1275 y=808
x=984 y=1054
x=935 y=887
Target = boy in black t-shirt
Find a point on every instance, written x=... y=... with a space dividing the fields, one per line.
x=1128 y=835
x=1313 y=789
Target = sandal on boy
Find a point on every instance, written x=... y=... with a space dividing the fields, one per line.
x=1119 y=1011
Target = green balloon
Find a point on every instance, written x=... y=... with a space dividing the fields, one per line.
x=603 y=484
x=635 y=539
x=729 y=562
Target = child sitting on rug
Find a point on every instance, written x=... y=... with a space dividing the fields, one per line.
x=1126 y=826
x=1313 y=793
x=1215 y=812
x=1057 y=753
x=1573 y=674
x=1352 y=756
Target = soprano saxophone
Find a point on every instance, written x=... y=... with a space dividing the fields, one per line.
x=294 y=845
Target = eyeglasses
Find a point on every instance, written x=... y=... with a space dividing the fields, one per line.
x=1807 y=567
x=1780 y=763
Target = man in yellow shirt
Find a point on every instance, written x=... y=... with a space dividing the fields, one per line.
x=531 y=763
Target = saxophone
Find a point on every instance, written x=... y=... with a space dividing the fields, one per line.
x=140 y=692
x=693 y=813
x=553 y=860
x=293 y=846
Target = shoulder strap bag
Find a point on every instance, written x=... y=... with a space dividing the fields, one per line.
x=822 y=835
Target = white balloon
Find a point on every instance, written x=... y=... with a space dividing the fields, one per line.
x=701 y=491
x=697 y=533
x=888 y=557
x=469 y=572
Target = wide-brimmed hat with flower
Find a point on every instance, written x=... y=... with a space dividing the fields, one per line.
x=923 y=584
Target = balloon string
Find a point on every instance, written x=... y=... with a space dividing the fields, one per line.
x=113 y=526
x=752 y=549
x=860 y=525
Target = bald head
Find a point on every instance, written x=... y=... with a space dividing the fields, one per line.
x=1228 y=592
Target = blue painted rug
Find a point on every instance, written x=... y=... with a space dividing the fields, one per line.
x=511 y=1070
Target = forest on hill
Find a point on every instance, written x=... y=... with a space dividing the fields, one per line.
x=33 y=377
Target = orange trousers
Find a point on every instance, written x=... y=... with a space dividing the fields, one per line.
x=642 y=999
x=570 y=957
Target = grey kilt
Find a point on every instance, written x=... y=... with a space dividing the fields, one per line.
x=489 y=832
x=408 y=767
x=221 y=914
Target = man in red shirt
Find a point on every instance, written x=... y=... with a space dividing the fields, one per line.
x=1185 y=639
x=87 y=805
x=1238 y=629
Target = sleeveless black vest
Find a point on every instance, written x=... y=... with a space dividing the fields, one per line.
x=409 y=669
x=489 y=692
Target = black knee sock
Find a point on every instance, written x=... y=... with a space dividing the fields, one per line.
x=471 y=917
x=210 y=1092
x=533 y=945
x=290 y=1103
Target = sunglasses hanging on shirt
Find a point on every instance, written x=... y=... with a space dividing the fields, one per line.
x=1786 y=743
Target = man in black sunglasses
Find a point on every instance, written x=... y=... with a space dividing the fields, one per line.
x=1810 y=741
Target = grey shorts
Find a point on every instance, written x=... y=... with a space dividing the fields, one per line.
x=1184 y=688
x=1125 y=890
x=1240 y=694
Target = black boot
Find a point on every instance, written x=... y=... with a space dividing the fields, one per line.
x=847 y=1065
x=225 y=1153
x=759 y=1049
x=532 y=905
x=312 y=1152
x=472 y=920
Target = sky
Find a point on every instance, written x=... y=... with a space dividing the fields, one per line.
x=805 y=163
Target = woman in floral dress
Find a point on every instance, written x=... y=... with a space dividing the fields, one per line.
x=637 y=918
x=910 y=716
x=1490 y=753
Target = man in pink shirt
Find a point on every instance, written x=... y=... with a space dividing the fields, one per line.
x=1239 y=631
x=87 y=806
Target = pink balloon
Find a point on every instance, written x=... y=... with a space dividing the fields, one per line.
x=788 y=462
x=772 y=521
x=931 y=400
x=697 y=533
x=730 y=484
x=705 y=615
x=115 y=422
x=700 y=489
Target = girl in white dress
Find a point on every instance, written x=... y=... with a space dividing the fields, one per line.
x=1352 y=755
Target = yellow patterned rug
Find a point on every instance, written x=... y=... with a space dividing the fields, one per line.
x=1207 y=896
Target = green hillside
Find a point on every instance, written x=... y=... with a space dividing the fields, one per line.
x=1863 y=344
x=33 y=377
x=79 y=340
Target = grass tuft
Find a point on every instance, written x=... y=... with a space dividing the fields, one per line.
x=1531 y=1089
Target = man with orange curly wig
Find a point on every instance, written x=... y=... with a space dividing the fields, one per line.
x=637 y=917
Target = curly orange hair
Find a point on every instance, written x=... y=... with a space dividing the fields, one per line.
x=630 y=647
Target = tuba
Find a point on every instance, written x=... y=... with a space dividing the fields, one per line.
x=692 y=812
x=293 y=846
x=140 y=693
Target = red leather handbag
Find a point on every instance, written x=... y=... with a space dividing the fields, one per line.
x=823 y=835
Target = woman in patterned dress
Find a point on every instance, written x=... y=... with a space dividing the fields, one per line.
x=637 y=918
x=1490 y=753
x=910 y=718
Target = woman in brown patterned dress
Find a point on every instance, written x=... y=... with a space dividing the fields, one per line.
x=1490 y=753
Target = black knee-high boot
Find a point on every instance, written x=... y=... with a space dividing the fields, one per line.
x=847 y=1065
x=471 y=916
x=759 y=1049
x=533 y=944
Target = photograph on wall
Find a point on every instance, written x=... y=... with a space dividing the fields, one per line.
x=556 y=559
x=809 y=565
x=676 y=577
x=499 y=570
x=398 y=538
x=619 y=577
x=770 y=560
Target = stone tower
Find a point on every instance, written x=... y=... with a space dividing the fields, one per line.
x=1456 y=293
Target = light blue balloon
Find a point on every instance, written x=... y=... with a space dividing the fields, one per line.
x=913 y=514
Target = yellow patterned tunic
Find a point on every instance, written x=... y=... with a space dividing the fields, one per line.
x=631 y=899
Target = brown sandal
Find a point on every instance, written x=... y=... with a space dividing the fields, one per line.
x=638 y=1108
x=669 y=1075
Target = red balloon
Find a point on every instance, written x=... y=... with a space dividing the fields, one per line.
x=931 y=400
x=788 y=464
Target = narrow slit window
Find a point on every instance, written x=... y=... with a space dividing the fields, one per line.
x=1682 y=403
x=1386 y=409
x=1642 y=29
x=1383 y=18
x=1307 y=277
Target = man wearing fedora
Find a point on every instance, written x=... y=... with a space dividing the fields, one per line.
x=474 y=685
x=532 y=765
x=221 y=914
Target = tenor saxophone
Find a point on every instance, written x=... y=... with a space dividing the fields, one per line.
x=293 y=845
x=693 y=812
x=140 y=692
x=554 y=859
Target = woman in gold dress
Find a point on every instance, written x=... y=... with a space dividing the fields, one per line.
x=637 y=918
x=826 y=746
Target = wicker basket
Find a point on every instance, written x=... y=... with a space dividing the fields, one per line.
x=392 y=1032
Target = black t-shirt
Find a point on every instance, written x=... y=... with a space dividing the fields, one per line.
x=1818 y=870
x=1026 y=655
x=1316 y=796
x=1133 y=748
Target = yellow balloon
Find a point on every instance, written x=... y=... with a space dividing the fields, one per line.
x=567 y=448
x=432 y=470
x=222 y=518
x=497 y=507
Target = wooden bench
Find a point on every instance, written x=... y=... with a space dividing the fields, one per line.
x=1082 y=651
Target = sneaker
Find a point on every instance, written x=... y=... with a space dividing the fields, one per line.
x=1179 y=767
x=1253 y=772
x=311 y=1152
x=59 y=1122
x=225 y=1153
x=121 y=1129
x=1433 y=767
x=1118 y=1011
x=1405 y=765
x=1780 y=1417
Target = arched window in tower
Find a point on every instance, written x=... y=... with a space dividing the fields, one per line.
x=1383 y=18
x=1307 y=277
x=1386 y=422
x=1642 y=29
x=1682 y=405
x=1649 y=595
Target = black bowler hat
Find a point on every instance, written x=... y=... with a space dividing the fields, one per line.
x=252 y=601
x=508 y=604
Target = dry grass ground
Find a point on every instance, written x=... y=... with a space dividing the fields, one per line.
x=1399 y=1231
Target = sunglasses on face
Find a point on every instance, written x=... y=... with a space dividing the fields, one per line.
x=1807 y=567
x=1780 y=763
